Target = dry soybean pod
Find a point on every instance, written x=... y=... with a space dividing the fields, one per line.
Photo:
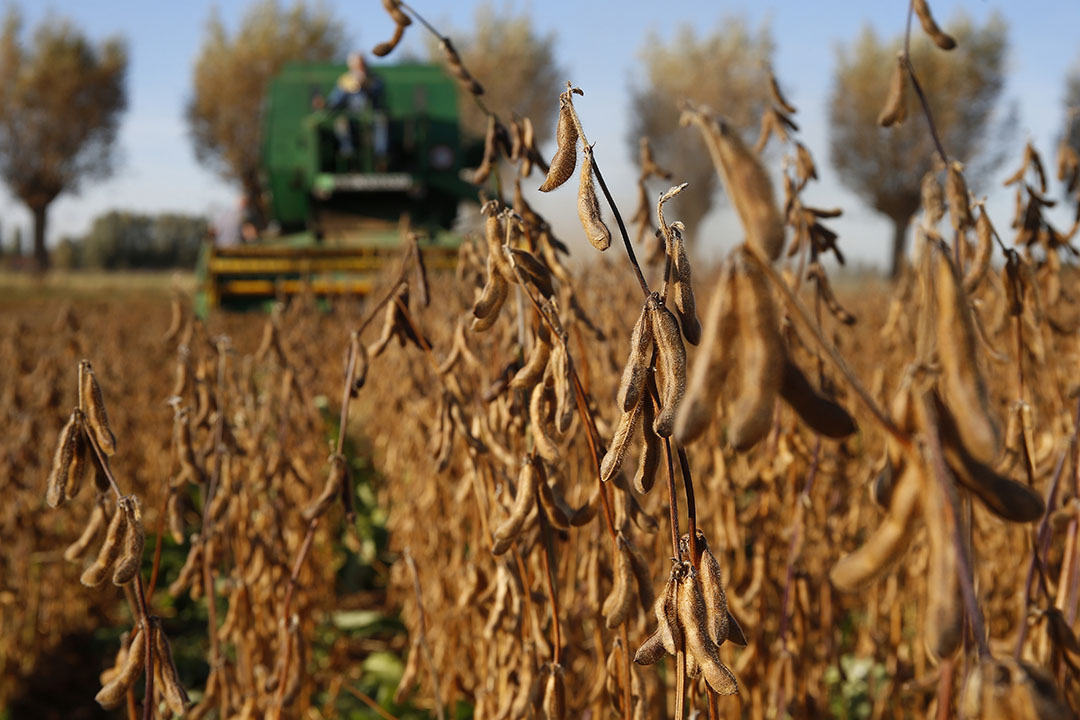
x=668 y=637
x=486 y=309
x=710 y=366
x=819 y=412
x=682 y=287
x=409 y=674
x=961 y=383
x=544 y=443
x=620 y=441
x=94 y=525
x=385 y=48
x=589 y=206
x=190 y=570
x=778 y=97
x=394 y=8
x=894 y=111
x=643 y=577
x=1003 y=688
x=93 y=406
x=550 y=503
x=942 y=39
x=524 y=500
x=712 y=586
x=617 y=606
x=888 y=542
x=943 y=620
x=176 y=698
x=562 y=376
x=495 y=234
x=956 y=196
x=817 y=272
x=533 y=371
x=637 y=364
x=555 y=694
x=533 y=270
x=110 y=549
x=113 y=693
x=565 y=159
x=760 y=363
x=651 y=650
x=751 y=191
x=127 y=567
x=66 y=448
x=671 y=364
x=482 y=173
x=933 y=197
x=80 y=463
x=613 y=676
x=1006 y=498
x=984 y=231
x=584 y=514
x=699 y=645
x=420 y=278
x=649 y=461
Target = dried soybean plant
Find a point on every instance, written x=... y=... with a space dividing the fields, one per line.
x=538 y=578
x=245 y=440
x=496 y=411
x=944 y=407
x=85 y=444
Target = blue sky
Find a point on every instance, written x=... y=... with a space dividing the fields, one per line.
x=598 y=43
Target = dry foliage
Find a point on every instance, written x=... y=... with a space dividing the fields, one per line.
x=590 y=516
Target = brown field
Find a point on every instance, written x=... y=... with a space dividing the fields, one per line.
x=514 y=492
x=777 y=517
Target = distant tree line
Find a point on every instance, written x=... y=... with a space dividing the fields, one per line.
x=120 y=240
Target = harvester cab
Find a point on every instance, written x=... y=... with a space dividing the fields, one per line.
x=341 y=179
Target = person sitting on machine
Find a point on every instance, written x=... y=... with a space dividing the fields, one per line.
x=355 y=91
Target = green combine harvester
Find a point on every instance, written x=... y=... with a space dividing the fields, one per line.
x=335 y=216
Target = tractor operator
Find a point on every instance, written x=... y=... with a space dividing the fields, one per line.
x=355 y=91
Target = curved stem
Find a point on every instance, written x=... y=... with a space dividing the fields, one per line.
x=691 y=506
x=673 y=506
x=918 y=88
x=566 y=97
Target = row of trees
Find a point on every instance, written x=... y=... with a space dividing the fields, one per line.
x=61 y=99
x=120 y=240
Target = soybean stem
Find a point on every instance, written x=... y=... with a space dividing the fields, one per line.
x=691 y=505
x=918 y=88
x=566 y=97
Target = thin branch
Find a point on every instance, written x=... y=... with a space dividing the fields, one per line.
x=691 y=506
x=567 y=98
x=673 y=505
x=370 y=703
x=918 y=88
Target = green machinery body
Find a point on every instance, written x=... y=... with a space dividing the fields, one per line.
x=335 y=218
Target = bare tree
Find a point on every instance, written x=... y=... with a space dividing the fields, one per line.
x=885 y=166
x=231 y=76
x=515 y=65
x=61 y=98
x=726 y=70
